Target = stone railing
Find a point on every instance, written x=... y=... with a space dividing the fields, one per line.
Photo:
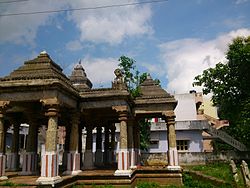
x=181 y=125
x=226 y=138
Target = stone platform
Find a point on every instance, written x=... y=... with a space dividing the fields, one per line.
x=104 y=177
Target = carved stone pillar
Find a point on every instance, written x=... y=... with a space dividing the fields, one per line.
x=3 y=106
x=88 y=154
x=30 y=156
x=98 y=153
x=13 y=157
x=107 y=152
x=73 y=164
x=123 y=154
x=49 y=161
x=173 y=159
x=66 y=149
x=113 y=159
x=131 y=144
x=136 y=136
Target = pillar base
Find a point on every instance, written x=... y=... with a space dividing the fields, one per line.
x=98 y=158
x=173 y=159
x=123 y=173
x=123 y=160
x=12 y=159
x=3 y=178
x=72 y=173
x=73 y=164
x=174 y=168
x=49 y=166
x=49 y=180
x=88 y=160
x=2 y=166
x=29 y=164
x=132 y=160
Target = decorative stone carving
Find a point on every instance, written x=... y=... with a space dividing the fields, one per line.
x=119 y=80
x=234 y=170
x=79 y=78
x=245 y=173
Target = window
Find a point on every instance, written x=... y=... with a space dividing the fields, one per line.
x=154 y=141
x=182 y=145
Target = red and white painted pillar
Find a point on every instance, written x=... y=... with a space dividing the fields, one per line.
x=3 y=105
x=124 y=159
x=88 y=154
x=49 y=168
x=29 y=164
x=73 y=163
x=2 y=167
x=30 y=156
x=98 y=152
x=50 y=160
x=173 y=159
x=13 y=157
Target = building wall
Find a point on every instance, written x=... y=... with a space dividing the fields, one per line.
x=194 y=138
x=186 y=108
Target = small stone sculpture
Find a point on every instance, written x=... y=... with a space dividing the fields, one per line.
x=234 y=171
x=119 y=80
x=245 y=173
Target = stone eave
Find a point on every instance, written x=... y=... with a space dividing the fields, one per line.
x=154 y=101
x=40 y=84
x=104 y=93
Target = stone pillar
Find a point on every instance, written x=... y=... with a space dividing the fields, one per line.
x=173 y=160
x=29 y=166
x=136 y=136
x=98 y=153
x=107 y=152
x=66 y=149
x=123 y=154
x=88 y=155
x=113 y=156
x=73 y=164
x=49 y=161
x=13 y=157
x=3 y=106
x=131 y=144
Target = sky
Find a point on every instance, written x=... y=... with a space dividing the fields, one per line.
x=173 y=40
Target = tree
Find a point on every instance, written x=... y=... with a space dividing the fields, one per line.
x=132 y=76
x=230 y=85
x=133 y=79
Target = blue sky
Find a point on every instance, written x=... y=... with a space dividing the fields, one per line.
x=173 y=40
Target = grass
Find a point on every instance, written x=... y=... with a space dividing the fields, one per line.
x=218 y=170
x=11 y=184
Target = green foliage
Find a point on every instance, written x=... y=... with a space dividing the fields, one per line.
x=189 y=182
x=144 y=134
x=230 y=85
x=11 y=184
x=133 y=78
x=147 y=185
x=218 y=170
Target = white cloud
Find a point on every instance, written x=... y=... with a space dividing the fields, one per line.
x=111 y=25
x=241 y=1
x=184 y=59
x=23 y=29
x=100 y=70
x=74 y=45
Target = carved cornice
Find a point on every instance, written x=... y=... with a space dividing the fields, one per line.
x=120 y=109
x=3 y=107
x=169 y=116
x=52 y=105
